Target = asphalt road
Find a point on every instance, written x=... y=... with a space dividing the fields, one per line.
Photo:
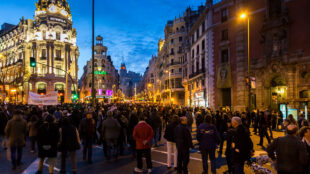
x=125 y=164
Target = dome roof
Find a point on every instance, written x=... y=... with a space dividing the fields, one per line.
x=44 y=4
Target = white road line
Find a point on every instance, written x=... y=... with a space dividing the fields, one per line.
x=33 y=167
x=47 y=165
x=164 y=152
x=164 y=164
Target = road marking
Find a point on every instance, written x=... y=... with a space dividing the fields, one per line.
x=33 y=167
x=164 y=152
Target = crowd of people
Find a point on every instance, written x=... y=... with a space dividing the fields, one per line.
x=66 y=129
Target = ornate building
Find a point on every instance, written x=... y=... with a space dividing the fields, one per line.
x=51 y=40
x=106 y=76
x=129 y=81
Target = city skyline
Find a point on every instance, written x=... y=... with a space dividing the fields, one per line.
x=126 y=33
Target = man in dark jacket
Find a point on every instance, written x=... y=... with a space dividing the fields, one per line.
x=183 y=140
x=15 y=131
x=242 y=145
x=69 y=143
x=169 y=136
x=110 y=132
x=291 y=152
x=156 y=126
x=87 y=132
x=208 y=139
x=48 y=138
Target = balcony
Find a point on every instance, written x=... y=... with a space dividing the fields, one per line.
x=43 y=58
x=58 y=59
x=201 y=71
x=174 y=63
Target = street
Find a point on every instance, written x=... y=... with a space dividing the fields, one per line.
x=125 y=164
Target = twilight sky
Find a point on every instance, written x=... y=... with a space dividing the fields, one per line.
x=130 y=28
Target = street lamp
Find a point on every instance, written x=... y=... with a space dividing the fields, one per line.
x=245 y=16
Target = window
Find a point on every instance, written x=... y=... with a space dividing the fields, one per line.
x=197 y=49
x=172 y=51
x=180 y=70
x=224 y=14
x=58 y=54
x=203 y=27
x=202 y=82
x=44 y=34
x=172 y=70
x=193 y=68
x=172 y=41
x=197 y=33
x=203 y=45
x=193 y=39
x=43 y=53
x=57 y=35
x=225 y=35
x=224 y=56
x=197 y=65
x=172 y=60
x=180 y=50
x=180 y=39
x=193 y=53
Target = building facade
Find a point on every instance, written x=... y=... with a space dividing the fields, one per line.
x=106 y=76
x=51 y=40
x=129 y=81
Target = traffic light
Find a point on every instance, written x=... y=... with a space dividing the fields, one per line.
x=33 y=62
x=75 y=96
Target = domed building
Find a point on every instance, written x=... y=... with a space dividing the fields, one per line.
x=51 y=40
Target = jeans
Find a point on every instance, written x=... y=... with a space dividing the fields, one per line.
x=112 y=148
x=172 y=149
x=16 y=158
x=51 y=162
x=156 y=135
x=88 y=148
x=147 y=154
x=63 y=161
x=33 y=143
x=263 y=133
x=183 y=160
x=238 y=168
x=205 y=153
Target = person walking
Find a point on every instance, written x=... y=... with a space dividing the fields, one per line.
x=143 y=134
x=48 y=138
x=183 y=140
x=87 y=132
x=171 y=146
x=242 y=146
x=3 y=121
x=69 y=143
x=291 y=153
x=304 y=133
x=208 y=139
x=33 y=131
x=111 y=132
x=263 y=126
x=15 y=131
x=155 y=122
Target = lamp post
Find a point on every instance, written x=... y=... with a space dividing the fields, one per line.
x=245 y=16
x=93 y=93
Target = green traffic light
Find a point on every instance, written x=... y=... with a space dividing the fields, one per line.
x=33 y=62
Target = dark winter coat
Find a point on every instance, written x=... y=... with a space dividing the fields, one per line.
x=3 y=121
x=87 y=128
x=169 y=132
x=183 y=137
x=16 y=130
x=207 y=136
x=111 y=129
x=291 y=154
x=242 y=143
x=69 y=138
x=48 y=138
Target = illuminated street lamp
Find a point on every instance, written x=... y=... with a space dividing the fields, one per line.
x=245 y=16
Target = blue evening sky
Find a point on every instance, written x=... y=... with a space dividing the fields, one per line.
x=130 y=28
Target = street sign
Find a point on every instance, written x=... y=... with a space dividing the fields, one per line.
x=100 y=73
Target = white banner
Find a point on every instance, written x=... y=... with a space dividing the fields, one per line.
x=48 y=99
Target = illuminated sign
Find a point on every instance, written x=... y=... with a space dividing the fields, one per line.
x=109 y=93
x=57 y=20
x=100 y=73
